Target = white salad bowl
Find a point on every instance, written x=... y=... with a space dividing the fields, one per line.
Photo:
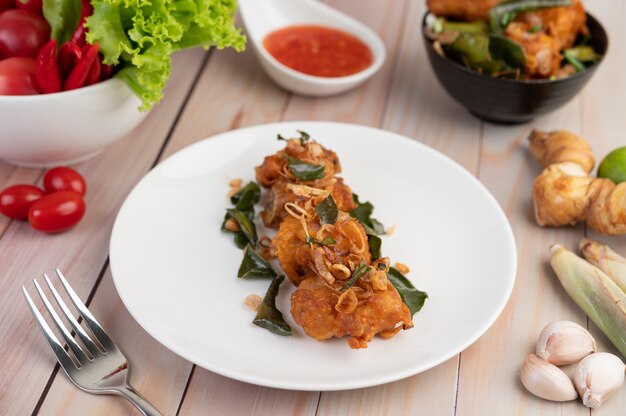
x=261 y=17
x=66 y=127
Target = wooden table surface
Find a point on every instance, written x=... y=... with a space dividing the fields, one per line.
x=216 y=91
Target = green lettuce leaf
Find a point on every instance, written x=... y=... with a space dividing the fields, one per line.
x=141 y=35
x=63 y=17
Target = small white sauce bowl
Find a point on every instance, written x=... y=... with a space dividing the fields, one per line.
x=67 y=127
x=261 y=17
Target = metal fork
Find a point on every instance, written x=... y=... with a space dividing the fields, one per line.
x=99 y=367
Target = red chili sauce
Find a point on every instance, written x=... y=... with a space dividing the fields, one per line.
x=318 y=50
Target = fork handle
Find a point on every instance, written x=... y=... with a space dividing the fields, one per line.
x=138 y=400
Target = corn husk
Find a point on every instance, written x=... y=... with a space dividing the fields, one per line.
x=599 y=296
x=605 y=259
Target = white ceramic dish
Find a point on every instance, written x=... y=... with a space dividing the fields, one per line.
x=261 y=17
x=176 y=271
x=67 y=127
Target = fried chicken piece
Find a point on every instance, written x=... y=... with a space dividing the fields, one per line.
x=559 y=28
x=282 y=192
x=563 y=24
x=341 y=292
x=324 y=304
x=462 y=9
x=543 y=56
x=318 y=310
x=286 y=188
x=300 y=260
x=290 y=247
x=275 y=166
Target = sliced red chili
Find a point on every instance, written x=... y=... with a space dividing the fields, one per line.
x=78 y=76
x=106 y=71
x=69 y=54
x=46 y=69
x=94 y=73
x=78 y=37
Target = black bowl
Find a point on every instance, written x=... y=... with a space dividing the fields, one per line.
x=502 y=100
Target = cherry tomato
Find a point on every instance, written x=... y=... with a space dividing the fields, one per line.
x=64 y=179
x=16 y=200
x=22 y=33
x=6 y=5
x=17 y=76
x=56 y=212
x=35 y=6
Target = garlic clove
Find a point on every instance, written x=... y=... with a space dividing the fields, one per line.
x=564 y=342
x=598 y=376
x=546 y=380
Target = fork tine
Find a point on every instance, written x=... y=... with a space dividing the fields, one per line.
x=62 y=356
x=69 y=340
x=91 y=322
x=86 y=340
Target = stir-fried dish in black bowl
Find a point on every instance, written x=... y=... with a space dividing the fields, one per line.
x=512 y=61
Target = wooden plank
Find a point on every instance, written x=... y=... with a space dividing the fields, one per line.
x=489 y=367
x=603 y=125
x=232 y=92
x=428 y=393
x=417 y=107
x=242 y=91
x=81 y=252
x=604 y=99
x=224 y=396
x=346 y=107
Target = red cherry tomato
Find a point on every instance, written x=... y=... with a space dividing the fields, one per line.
x=56 y=212
x=22 y=33
x=6 y=5
x=35 y=6
x=16 y=200
x=64 y=179
x=17 y=76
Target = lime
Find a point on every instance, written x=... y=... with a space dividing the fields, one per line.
x=613 y=166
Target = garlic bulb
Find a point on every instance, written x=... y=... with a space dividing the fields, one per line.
x=564 y=342
x=598 y=376
x=546 y=380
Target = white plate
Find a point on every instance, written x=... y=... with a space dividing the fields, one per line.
x=176 y=271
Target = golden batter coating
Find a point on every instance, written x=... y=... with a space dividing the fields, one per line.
x=325 y=304
x=542 y=52
x=315 y=308
x=275 y=166
x=462 y=9
x=298 y=259
x=283 y=192
x=563 y=24
x=285 y=188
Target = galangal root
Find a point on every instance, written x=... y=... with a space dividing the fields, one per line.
x=565 y=194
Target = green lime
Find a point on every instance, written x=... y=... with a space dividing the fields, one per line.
x=613 y=166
